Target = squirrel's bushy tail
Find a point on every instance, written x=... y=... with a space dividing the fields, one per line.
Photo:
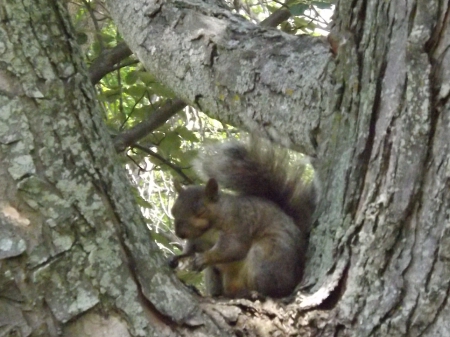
x=257 y=168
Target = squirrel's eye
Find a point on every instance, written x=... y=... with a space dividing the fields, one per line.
x=198 y=205
x=200 y=210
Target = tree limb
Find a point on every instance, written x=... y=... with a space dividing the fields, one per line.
x=165 y=161
x=154 y=121
x=107 y=61
x=252 y=77
x=276 y=18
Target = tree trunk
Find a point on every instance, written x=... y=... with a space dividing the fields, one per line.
x=386 y=153
x=75 y=255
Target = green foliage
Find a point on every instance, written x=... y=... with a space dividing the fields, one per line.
x=130 y=95
x=307 y=16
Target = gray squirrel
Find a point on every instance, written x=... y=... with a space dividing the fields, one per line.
x=252 y=241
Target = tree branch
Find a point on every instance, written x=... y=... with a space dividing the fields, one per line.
x=155 y=120
x=107 y=61
x=276 y=18
x=249 y=76
x=164 y=161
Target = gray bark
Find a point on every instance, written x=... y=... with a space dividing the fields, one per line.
x=76 y=258
x=386 y=167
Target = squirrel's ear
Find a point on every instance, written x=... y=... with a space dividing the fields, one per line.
x=177 y=186
x=212 y=189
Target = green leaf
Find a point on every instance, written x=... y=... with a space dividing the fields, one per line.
x=108 y=38
x=132 y=77
x=110 y=95
x=301 y=23
x=161 y=239
x=272 y=8
x=291 y=3
x=146 y=77
x=170 y=145
x=82 y=38
x=190 y=277
x=155 y=86
x=96 y=48
x=322 y=4
x=187 y=134
x=161 y=90
x=184 y=159
x=143 y=203
x=137 y=91
x=298 y=9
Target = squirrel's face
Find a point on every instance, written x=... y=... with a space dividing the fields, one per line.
x=192 y=211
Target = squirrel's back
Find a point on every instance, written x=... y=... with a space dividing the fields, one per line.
x=257 y=168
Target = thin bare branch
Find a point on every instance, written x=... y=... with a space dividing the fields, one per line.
x=165 y=161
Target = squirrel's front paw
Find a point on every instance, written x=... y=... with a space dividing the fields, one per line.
x=199 y=262
x=173 y=262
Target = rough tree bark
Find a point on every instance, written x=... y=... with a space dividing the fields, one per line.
x=387 y=192
x=75 y=257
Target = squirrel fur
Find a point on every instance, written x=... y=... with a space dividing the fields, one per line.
x=253 y=240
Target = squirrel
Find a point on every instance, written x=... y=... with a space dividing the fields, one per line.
x=252 y=241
